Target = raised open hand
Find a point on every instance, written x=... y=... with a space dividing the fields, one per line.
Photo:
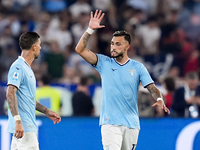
x=96 y=19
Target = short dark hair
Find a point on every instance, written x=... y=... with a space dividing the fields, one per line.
x=123 y=33
x=84 y=81
x=170 y=84
x=192 y=75
x=45 y=79
x=27 y=39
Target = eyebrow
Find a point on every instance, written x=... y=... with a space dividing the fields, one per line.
x=115 y=42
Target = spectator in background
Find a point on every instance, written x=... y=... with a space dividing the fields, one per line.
x=191 y=25
x=169 y=85
x=149 y=35
x=80 y=6
x=174 y=72
x=47 y=95
x=70 y=76
x=81 y=100
x=102 y=4
x=54 y=61
x=2 y=101
x=136 y=19
x=63 y=36
x=145 y=103
x=6 y=38
x=169 y=41
x=192 y=62
x=185 y=101
x=7 y=59
x=79 y=27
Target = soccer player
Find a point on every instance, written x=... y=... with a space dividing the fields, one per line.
x=121 y=77
x=21 y=96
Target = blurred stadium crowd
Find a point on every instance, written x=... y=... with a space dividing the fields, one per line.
x=159 y=28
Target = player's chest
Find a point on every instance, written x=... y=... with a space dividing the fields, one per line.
x=126 y=74
x=30 y=78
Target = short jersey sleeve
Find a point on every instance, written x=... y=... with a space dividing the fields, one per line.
x=101 y=59
x=15 y=75
x=145 y=77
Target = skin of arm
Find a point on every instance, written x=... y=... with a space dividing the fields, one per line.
x=50 y=114
x=155 y=93
x=88 y=55
x=12 y=99
x=94 y=23
x=13 y=106
x=41 y=108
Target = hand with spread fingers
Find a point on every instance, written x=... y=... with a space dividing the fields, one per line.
x=96 y=19
x=161 y=104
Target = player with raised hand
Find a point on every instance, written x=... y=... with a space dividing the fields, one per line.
x=121 y=77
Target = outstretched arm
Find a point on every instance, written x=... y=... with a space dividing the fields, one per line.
x=94 y=23
x=155 y=93
x=13 y=106
x=50 y=114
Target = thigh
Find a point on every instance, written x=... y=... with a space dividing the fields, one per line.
x=28 y=142
x=14 y=143
x=130 y=138
x=111 y=137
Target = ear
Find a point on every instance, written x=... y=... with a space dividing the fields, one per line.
x=127 y=47
x=34 y=47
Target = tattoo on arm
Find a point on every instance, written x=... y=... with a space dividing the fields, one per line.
x=12 y=100
x=85 y=39
x=41 y=108
x=154 y=91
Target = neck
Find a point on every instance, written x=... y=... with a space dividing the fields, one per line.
x=122 y=59
x=83 y=89
x=27 y=56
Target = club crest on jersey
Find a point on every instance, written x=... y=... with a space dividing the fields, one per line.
x=132 y=71
x=15 y=76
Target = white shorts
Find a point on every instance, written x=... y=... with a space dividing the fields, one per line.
x=119 y=137
x=28 y=142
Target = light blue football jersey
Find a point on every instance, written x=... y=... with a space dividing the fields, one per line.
x=22 y=76
x=120 y=85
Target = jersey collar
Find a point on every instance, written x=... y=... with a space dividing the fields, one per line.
x=24 y=60
x=121 y=63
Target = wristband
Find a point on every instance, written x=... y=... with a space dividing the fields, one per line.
x=159 y=98
x=17 y=117
x=89 y=30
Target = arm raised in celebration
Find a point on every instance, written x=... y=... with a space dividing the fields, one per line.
x=81 y=49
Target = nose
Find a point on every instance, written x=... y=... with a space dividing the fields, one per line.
x=113 y=47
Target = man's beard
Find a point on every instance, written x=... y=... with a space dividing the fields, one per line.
x=117 y=56
x=36 y=56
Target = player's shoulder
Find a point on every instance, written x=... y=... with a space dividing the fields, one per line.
x=136 y=63
x=17 y=64
x=103 y=57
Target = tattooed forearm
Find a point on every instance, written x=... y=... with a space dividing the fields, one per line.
x=85 y=39
x=154 y=91
x=12 y=100
x=41 y=108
